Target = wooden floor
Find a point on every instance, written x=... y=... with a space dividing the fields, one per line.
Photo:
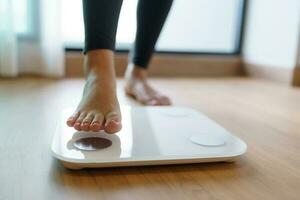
x=264 y=114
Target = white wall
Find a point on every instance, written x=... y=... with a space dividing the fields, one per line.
x=272 y=33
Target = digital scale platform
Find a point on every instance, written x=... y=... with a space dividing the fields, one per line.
x=150 y=136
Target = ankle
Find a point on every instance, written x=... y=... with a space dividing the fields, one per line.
x=136 y=72
x=98 y=62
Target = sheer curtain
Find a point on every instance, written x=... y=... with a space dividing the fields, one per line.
x=39 y=50
x=8 y=48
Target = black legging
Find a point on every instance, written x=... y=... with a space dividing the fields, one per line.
x=101 y=21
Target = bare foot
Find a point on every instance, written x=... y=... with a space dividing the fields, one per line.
x=99 y=107
x=138 y=88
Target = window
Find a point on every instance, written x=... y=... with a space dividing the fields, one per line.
x=195 y=26
x=25 y=17
x=22 y=16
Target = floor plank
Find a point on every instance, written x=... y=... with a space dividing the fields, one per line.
x=264 y=114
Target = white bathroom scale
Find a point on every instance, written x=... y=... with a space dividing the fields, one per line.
x=150 y=136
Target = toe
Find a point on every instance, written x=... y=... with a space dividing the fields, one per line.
x=96 y=124
x=79 y=120
x=113 y=122
x=71 y=120
x=152 y=102
x=147 y=100
x=113 y=126
x=163 y=100
x=85 y=125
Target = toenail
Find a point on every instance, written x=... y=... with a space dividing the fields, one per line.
x=112 y=121
x=96 y=124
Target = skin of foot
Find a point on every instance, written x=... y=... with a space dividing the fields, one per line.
x=99 y=107
x=138 y=87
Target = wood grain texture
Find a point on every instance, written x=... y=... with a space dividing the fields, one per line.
x=288 y=76
x=264 y=114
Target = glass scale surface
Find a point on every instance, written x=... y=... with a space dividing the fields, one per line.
x=150 y=136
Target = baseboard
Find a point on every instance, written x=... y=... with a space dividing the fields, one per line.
x=168 y=65
x=296 y=76
x=281 y=75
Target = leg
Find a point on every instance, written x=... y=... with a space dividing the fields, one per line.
x=99 y=108
x=151 y=16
